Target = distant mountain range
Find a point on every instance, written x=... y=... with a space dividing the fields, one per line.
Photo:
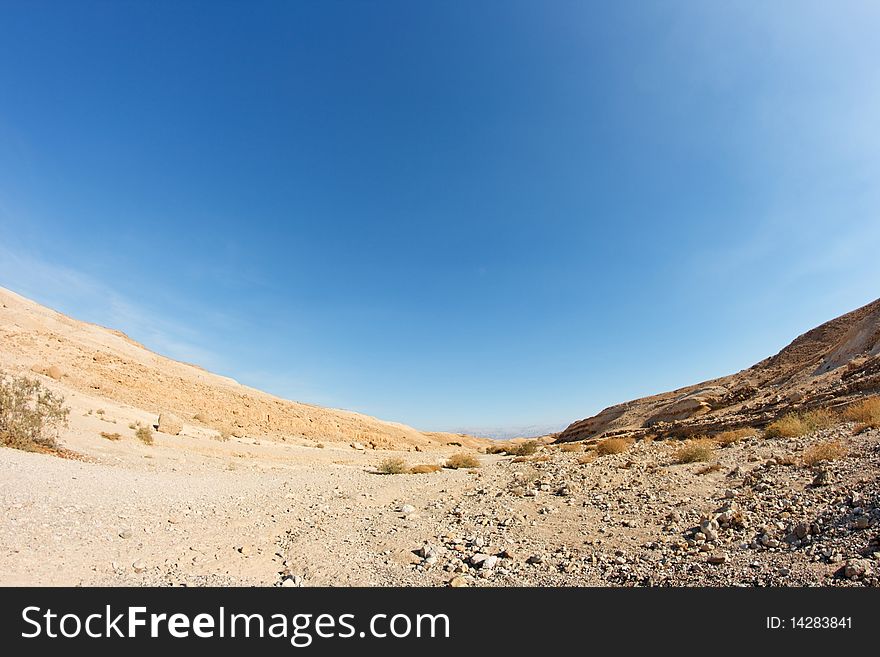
x=505 y=433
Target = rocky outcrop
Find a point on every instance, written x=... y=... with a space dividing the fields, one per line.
x=829 y=365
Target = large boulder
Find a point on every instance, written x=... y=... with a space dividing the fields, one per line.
x=170 y=424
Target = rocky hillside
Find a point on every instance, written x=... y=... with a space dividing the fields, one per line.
x=107 y=364
x=826 y=366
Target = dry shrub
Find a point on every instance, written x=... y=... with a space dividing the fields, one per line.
x=320 y=445
x=612 y=446
x=496 y=449
x=712 y=467
x=144 y=434
x=794 y=425
x=865 y=413
x=462 y=460
x=393 y=466
x=695 y=451
x=587 y=458
x=523 y=449
x=828 y=450
x=424 y=468
x=733 y=436
x=30 y=414
x=571 y=447
x=110 y=436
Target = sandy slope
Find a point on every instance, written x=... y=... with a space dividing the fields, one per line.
x=106 y=363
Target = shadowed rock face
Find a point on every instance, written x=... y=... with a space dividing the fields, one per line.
x=829 y=365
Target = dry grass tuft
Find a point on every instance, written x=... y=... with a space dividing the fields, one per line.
x=865 y=413
x=733 y=436
x=612 y=446
x=462 y=460
x=144 y=434
x=393 y=466
x=424 y=468
x=828 y=450
x=794 y=425
x=696 y=450
x=587 y=458
x=523 y=449
x=110 y=436
x=571 y=447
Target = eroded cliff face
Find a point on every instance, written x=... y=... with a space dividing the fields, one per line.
x=829 y=365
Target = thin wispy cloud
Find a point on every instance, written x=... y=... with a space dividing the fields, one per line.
x=86 y=298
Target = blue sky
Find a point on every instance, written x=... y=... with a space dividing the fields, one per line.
x=446 y=214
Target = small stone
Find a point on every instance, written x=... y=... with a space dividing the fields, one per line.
x=125 y=533
x=458 y=582
x=406 y=509
x=855 y=569
x=861 y=523
x=428 y=551
x=535 y=559
x=290 y=581
x=358 y=446
x=490 y=563
x=717 y=558
x=139 y=566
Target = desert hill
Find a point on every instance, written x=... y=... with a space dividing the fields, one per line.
x=826 y=366
x=106 y=363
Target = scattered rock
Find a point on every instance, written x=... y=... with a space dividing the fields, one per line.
x=170 y=424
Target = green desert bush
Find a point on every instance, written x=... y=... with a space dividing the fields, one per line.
x=30 y=414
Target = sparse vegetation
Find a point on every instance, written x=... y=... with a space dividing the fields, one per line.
x=111 y=436
x=462 y=460
x=541 y=458
x=587 y=458
x=144 y=434
x=696 y=450
x=612 y=446
x=524 y=449
x=393 y=466
x=424 y=468
x=571 y=447
x=30 y=414
x=733 y=436
x=828 y=450
x=794 y=425
x=866 y=414
x=320 y=445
